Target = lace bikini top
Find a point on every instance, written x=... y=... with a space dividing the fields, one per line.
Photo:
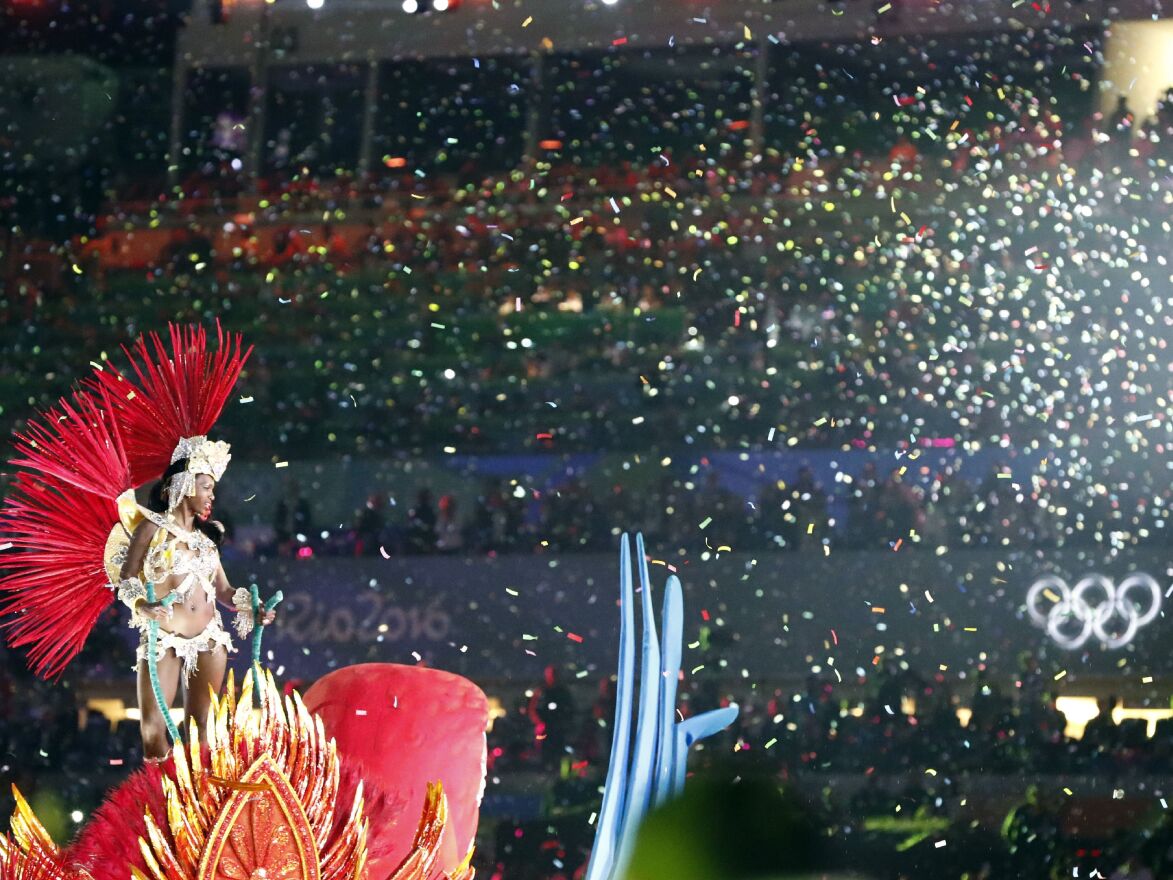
x=189 y=555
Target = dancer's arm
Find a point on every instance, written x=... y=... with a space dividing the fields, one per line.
x=131 y=590
x=230 y=597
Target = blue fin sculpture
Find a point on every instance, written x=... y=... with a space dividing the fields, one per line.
x=651 y=769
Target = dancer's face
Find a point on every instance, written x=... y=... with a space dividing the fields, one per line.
x=200 y=504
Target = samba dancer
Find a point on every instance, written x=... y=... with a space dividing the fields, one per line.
x=82 y=538
x=176 y=548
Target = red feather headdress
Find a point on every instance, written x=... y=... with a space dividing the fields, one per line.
x=176 y=395
x=74 y=462
x=57 y=519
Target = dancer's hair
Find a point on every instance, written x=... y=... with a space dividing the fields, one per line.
x=157 y=501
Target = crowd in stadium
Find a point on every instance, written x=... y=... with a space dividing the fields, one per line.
x=707 y=308
x=902 y=739
x=999 y=284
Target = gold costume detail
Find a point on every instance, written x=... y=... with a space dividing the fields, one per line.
x=30 y=852
x=210 y=821
x=263 y=805
x=119 y=539
x=203 y=456
x=425 y=849
x=261 y=827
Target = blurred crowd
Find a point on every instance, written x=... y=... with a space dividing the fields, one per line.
x=984 y=267
x=1001 y=287
x=857 y=350
x=875 y=511
x=889 y=768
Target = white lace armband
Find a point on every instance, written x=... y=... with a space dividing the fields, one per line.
x=129 y=591
x=242 y=601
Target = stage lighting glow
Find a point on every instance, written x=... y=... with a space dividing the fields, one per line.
x=1138 y=63
x=411 y=6
x=440 y=5
x=315 y=4
x=610 y=2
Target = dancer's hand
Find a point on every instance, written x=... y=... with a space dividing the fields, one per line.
x=155 y=611
x=268 y=617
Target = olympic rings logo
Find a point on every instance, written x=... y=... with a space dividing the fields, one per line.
x=1095 y=606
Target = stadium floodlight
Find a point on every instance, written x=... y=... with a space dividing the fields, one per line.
x=411 y=6
x=315 y=4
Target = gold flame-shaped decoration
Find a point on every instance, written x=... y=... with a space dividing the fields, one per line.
x=30 y=854
x=263 y=807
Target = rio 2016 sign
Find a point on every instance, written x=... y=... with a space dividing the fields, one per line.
x=1094 y=607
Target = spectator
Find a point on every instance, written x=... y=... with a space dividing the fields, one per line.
x=552 y=711
x=369 y=525
x=421 y=524
x=1100 y=733
x=449 y=534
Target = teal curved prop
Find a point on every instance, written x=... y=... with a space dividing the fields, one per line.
x=651 y=768
x=259 y=629
x=153 y=663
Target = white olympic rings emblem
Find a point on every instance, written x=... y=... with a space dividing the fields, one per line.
x=1072 y=618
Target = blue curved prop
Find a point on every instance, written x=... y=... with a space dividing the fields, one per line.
x=153 y=663
x=693 y=730
x=647 y=732
x=672 y=619
x=606 y=845
x=657 y=766
x=258 y=631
